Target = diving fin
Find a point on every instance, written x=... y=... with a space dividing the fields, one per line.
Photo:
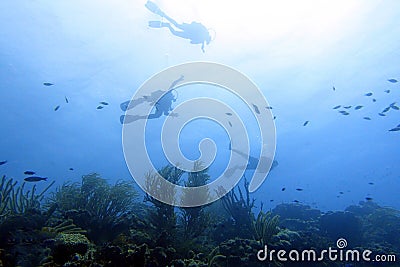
x=154 y=8
x=155 y=24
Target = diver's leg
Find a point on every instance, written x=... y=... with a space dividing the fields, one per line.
x=157 y=114
x=175 y=32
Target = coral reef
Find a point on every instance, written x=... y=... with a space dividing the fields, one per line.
x=102 y=209
x=93 y=223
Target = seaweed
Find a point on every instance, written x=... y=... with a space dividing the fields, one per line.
x=195 y=219
x=15 y=200
x=240 y=209
x=96 y=206
x=163 y=218
x=265 y=227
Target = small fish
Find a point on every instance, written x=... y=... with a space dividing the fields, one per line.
x=382 y=114
x=228 y=113
x=386 y=109
x=274 y=117
x=299 y=189
x=373 y=100
x=387 y=91
x=29 y=172
x=395 y=129
x=392 y=80
x=341 y=193
x=230 y=124
x=100 y=107
x=35 y=179
x=271 y=200
x=56 y=108
x=268 y=107
x=367 y=118
x=368 y=94
x=283 y=188
x=336 y=107
x=48 y=84
x=347 y=107
x=296 y=201
x=3 y=162
x=395 y=107
x=71 y=169
x=333 y=88
x=371 y=183
x=344 y=112
x=358 y=107
x=369 y=198
x=305 y=123
x=66 y=100
x=104 y=103
x=256 y=109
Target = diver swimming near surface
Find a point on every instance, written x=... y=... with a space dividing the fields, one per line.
x=196 y=32
x=162 y=100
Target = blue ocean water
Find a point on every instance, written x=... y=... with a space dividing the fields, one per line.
x=306 y=60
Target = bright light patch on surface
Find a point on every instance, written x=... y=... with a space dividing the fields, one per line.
x=254 y=22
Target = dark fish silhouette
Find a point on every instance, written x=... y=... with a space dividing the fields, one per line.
x=35 y=179
x=387 y=91
x=392 y=80
x=299 y=189
x=256 y=109
x=296 y=201
x=29 y=172
x=100 y=107
x=358 y=107
x=3 y=162
x=333 y=88
x=104 y=103
x=283 y=188
x=367 y=118
x=386 y=109
x=228 y=113
x=274 y=117
x=373 y=100
x=336 y=107
x=305 y=123
x=66 y=100
x=396 y=129
x=268 y=107
x=371 y=183
x=341 y=192
x=71 y=169
x=369 y=198
x=48 y=84
x=56 y=108
x=271 y=200
x=230 y=124
x=344 y=112
x=382 y=114
x=368 y=94
x=393 y=106
x=347 y=107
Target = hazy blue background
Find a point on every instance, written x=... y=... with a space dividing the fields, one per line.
x=295 y=51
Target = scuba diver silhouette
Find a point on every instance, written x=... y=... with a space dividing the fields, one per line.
x=196 y=32
x=162 y=100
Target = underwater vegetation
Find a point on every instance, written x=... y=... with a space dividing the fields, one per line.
x=94 y=223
